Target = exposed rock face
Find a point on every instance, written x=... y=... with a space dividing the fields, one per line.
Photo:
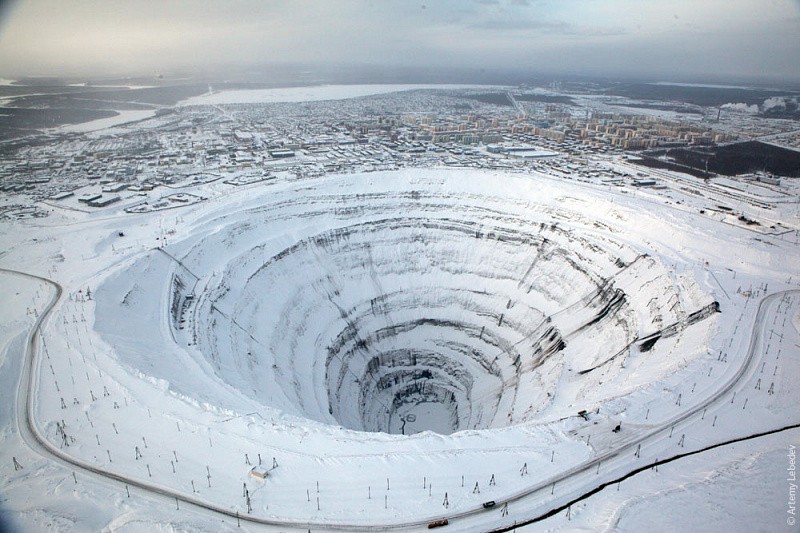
x=416 y=307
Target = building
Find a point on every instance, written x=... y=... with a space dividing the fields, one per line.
x=769 y=179
x=62 y=195
x=118 y=187
x=89 y=197
x=103 y=202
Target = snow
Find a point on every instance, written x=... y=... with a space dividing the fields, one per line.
x=709 y=485
x=111 y=86
x=122 y=117
x=701 y=85
x=308 y=94
x=443 y=257
x=248 y=333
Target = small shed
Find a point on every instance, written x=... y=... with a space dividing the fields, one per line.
x=259 y=472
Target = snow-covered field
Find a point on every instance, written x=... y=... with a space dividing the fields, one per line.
x=305 y=326
x=122 y=117
x=308 y=94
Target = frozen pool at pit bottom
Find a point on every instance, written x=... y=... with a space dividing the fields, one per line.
x=407 y=309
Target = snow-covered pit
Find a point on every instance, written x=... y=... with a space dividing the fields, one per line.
x=407 y=302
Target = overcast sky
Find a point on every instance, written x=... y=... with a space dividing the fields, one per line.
x=665 y=39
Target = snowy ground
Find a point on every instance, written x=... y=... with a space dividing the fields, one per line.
x=147 y=401
x=722 y=490
x=308 y=94
x=122 y=117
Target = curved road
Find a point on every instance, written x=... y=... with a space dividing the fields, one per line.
x=33 y=438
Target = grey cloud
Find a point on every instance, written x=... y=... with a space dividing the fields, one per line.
x=522 y=24
x=576 y=36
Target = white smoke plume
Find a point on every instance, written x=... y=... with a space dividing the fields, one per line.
x=775 y=101
x=741 y=108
